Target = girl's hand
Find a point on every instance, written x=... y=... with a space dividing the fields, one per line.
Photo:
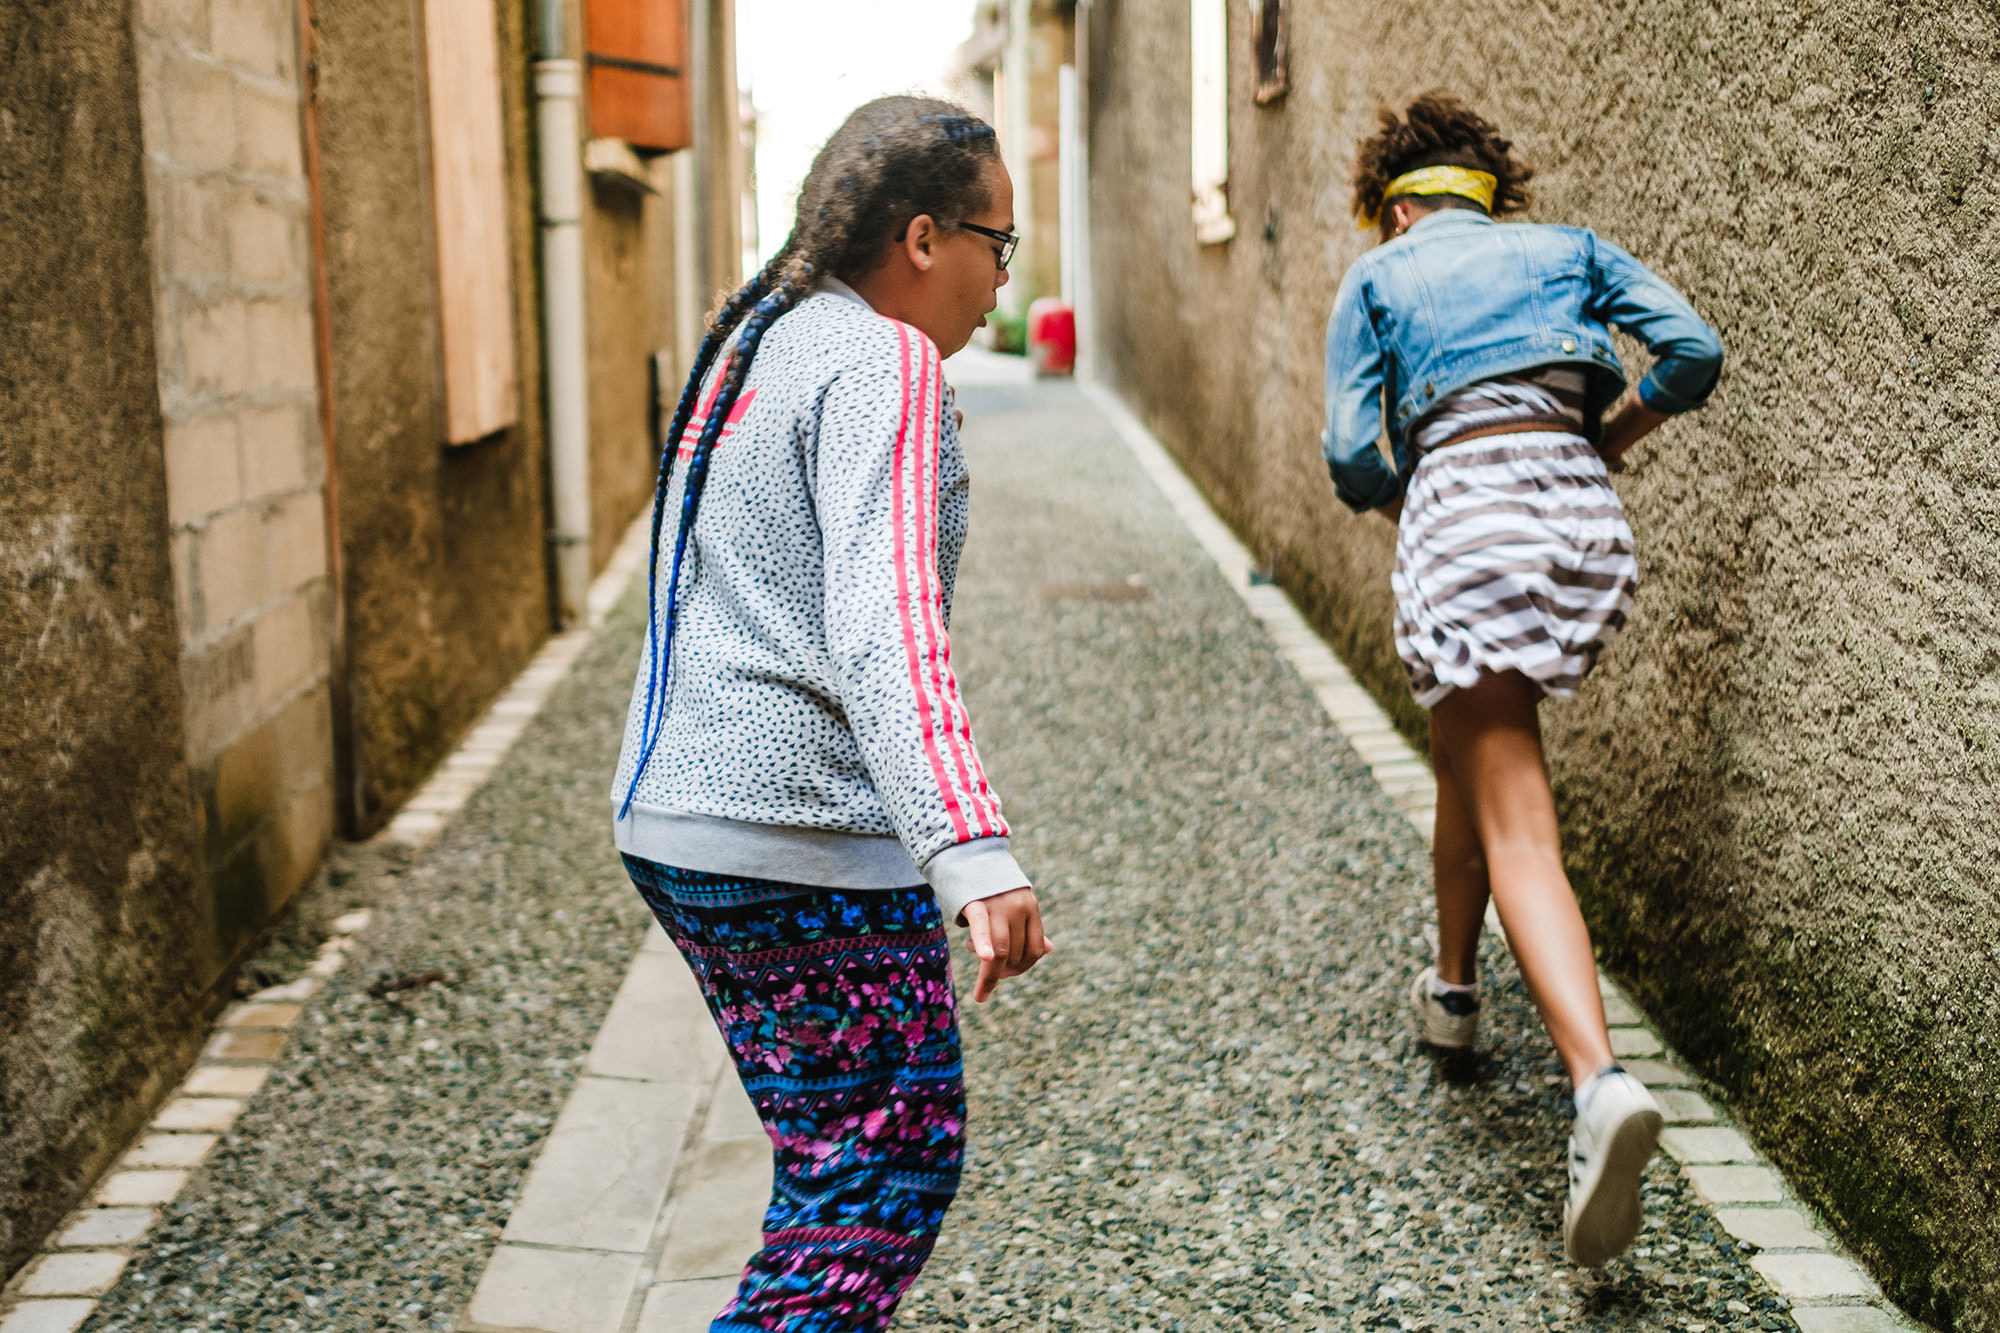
x=1628 y=423
x=1007 y=936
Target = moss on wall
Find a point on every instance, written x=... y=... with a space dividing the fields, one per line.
x=446 y=574
x=104 y=970
x=1779 y=790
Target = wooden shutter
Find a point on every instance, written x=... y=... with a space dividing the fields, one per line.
x=469 y=201
x=639 y=75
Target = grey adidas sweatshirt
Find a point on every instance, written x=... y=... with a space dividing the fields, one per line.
x=813 y=731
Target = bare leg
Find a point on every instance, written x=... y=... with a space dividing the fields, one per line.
x=1492 y=738
x=1459 y=873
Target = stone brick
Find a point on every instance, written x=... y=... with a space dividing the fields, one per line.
x=1845 y=1319
x=64 y=1316
x=290 y=850
x=554 y=1291
x=185 y=19
x=259 y=35
x=203 y=471
x=199 y=105
x=281 y=347
x=685 y=1307
x=245 y=778
x=210 y=1114
x=181 y=555
x=658 y=1027
x=197 y=237
x=273 y=449
x=106 y=1226
x=260 y=1016
x=226 y=1080
x=1711 y=1143
x=176 y=1151
x=602 y=1174
x=215 y=348
x=84 y=1273
x=219 y=687
x=140 y=1188
x=1771 y=1228
x=303 y=738
x=288 y=649
x=718 y=1210
x=231 y=563
x=1812 y=1277
x=260 y=1044
x=270 y=131
x=1628 y=1042
x=1684 y=1107
x=267 y=239
x=298 y=540
x=1735 y=1184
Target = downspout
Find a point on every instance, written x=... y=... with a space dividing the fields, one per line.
x=348 y=805
x=558 y=88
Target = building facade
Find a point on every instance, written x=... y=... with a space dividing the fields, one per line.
x=1778 y=791
x=284 y=479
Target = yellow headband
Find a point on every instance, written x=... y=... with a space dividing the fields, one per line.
x=1478 y=186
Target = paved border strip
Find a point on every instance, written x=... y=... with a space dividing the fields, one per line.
x=1828 y=1291
x=58 y=1289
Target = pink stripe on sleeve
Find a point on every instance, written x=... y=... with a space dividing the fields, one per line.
x=904 y=502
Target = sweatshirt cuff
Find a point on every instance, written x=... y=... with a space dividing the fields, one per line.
x=968 y=871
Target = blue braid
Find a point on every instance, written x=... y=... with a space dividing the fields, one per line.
x=961 y=130
x=661 y=645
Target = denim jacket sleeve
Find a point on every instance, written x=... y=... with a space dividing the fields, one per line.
x=1355 y=362
x=1633 y=299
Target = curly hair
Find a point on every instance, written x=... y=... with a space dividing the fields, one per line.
x=891 y=161
x=1436 y=130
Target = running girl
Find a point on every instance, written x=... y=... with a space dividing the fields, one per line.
x=1486 y=351
x=799 y=799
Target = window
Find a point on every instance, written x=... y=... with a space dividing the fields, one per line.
x=469 y=207
x=638 y=57
x=1210 y=138
x=1270 y=35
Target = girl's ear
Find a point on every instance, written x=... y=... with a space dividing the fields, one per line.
x=920 y=241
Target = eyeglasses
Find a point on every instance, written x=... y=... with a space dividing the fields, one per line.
x=1008 y=240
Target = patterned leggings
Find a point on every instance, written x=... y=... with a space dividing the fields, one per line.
x=838 y=1010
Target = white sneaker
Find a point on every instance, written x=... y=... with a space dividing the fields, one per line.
x=1450 y=1020
x=1614 y=1138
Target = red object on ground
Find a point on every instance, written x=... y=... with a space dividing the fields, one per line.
x=1052 y=337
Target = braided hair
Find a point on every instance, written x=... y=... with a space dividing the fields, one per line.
x=890 y=161
x=1436 y=130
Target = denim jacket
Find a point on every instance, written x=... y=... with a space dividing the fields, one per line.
x=1460 y=298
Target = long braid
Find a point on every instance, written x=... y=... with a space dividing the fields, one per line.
x=719 y=328
x=765 y=312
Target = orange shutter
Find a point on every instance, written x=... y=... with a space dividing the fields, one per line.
x=639 y=76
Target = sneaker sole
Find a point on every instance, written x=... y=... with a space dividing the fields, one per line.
x=1610 y=1217
x=1440 y=1029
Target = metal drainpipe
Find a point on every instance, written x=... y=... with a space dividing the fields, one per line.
x=558 y=87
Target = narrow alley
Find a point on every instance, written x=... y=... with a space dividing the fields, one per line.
x=1206 y=1111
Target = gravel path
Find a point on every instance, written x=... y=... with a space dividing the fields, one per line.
x=1204 y=1112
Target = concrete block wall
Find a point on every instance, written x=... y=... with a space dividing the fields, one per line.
x=220 y=95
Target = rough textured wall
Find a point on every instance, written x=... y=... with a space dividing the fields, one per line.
x=99 y=1001
x=1779 y=790
x=629 y=303
x=444 y=548
x=238 y=385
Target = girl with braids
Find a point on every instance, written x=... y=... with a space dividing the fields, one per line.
x=1486 y=352
x=799 y=799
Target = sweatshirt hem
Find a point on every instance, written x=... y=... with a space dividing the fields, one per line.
x=789 y=854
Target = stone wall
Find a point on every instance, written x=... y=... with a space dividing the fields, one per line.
x=444 y=548
x=100 y=991
x=238 y=386
x=1779 y=790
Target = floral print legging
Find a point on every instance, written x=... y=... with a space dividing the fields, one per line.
x=838 y=1011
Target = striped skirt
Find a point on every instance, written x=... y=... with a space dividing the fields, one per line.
x=1513 y=555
